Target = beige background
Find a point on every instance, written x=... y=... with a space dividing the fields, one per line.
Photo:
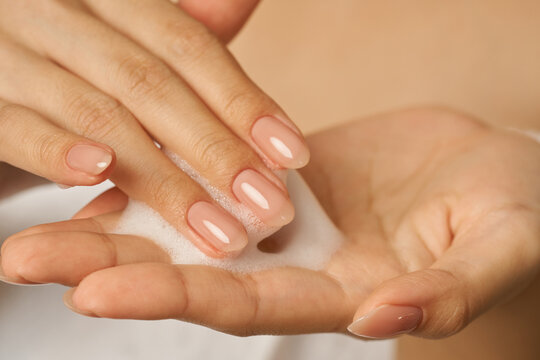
x=330 y=61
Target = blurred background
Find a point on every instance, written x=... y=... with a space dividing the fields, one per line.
x=327 y=62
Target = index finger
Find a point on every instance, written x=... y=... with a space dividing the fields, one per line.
x=189 y=48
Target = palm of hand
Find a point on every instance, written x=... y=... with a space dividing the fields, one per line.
x=411 y=191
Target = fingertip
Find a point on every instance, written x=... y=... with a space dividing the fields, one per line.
x=280 y=141
x=223 y=232
x=267 y=201
x=13 y=278
x=387 y=321
x=69 y=303
x=87 y=164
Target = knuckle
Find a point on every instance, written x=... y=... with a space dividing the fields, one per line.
x=220 y=154
x=451 y=319
x=112 y=259
x=190 y=41
x=144 y=77
x=96 y=116
x=51 y=148
x=251 y=294
x=250 y=322
x=455 y=311
x=8 y=114
x=245 y=104
x=168 y=192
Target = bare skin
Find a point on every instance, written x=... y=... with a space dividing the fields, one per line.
x=87 y=89
x=477 y=56
x=439 y=210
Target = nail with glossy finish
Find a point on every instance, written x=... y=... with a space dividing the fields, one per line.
x=280 y=143
x=89 y=159
x=265 y=199
x=387 y=321
x=217 y=226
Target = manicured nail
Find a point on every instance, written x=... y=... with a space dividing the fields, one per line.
x=217 y=227
x=280 y=143
x=90 y=159
x=68 y=301
x=268 y=202
x=387 y=321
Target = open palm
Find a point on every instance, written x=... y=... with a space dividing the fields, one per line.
x=440 y=212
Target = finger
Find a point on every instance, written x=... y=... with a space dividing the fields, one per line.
x=276 y=301
x=66 y=257
x=206 y=64
x=111 y=200
x=184 y=124
x=485 y=265
x=224 y=18
x=30 y=142
x=143 y=171
x=5 y=279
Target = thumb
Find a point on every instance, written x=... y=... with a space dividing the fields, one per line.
x=487 y=264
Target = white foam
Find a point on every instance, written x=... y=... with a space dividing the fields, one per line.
x=309 y=240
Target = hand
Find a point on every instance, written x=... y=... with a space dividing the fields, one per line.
x=85 y=84
x=441 y=218
x=224 y=18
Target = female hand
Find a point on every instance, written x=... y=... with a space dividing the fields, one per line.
x=85 y=83
x=441 y=218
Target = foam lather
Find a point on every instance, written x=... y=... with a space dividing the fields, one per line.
x=308 y=241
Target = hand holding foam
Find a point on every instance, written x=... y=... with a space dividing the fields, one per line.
x=421 y=197
x=145 y=74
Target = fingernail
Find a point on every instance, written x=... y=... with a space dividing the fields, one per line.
x=268 y=202
x=90 y=159
x=280 y=143
x=218 y=227
x=68 y=302
x=387 y=321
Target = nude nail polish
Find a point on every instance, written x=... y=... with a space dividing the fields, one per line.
x=268 y=202
x=280 y=143
x=89 y=159
x=217 y=227
x=387 y=321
